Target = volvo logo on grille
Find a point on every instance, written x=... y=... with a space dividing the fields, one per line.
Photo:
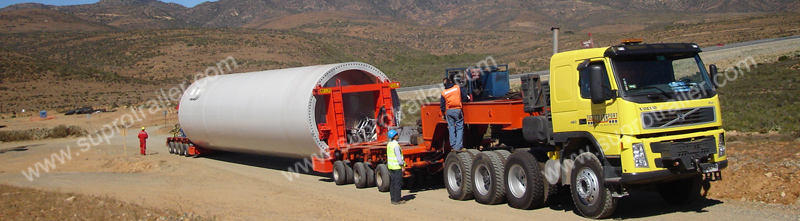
x=681 y=117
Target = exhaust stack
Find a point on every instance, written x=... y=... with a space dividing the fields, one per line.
x=555 y=39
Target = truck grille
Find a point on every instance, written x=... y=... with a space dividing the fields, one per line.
x=675 y=118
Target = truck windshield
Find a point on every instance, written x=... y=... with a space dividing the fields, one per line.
x=674 y=77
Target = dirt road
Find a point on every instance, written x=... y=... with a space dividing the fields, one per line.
x=233 y=186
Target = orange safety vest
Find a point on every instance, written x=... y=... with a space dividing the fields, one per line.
x=452 y=97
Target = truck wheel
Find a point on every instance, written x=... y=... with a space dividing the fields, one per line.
x=550 y=190
x=681 y=191
x=472 y=153
x=370 y=174
x=504 y=154
x=339 y=173
x=592 y=198
x=524 y=181
x=169 y=147
x=349 y=170
x=360 y=175
x=487 y=174
x=457 y=176
x=382 y=177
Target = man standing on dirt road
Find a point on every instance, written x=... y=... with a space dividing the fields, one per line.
x=143 y=141
x=394 y=161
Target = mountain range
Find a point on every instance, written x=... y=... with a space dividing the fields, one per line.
x=480 y=14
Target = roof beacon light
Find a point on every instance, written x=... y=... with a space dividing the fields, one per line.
x=631 y=41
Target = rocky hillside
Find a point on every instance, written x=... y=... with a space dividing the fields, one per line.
x=482 y=14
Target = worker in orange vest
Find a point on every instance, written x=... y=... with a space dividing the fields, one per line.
x=450 y=103
x=142 y=141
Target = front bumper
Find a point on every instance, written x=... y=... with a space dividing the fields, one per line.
x=667 y=175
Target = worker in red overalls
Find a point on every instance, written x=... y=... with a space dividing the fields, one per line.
x=142 y=141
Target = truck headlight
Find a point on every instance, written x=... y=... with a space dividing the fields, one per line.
x=639 y=156
x=721 y=152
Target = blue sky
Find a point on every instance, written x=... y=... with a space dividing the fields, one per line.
x=4 y=3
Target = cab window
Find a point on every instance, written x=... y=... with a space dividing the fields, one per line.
x=583 y=82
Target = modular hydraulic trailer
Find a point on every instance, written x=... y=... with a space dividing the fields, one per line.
x=608 y=120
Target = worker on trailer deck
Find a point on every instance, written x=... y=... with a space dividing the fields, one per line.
x=450 y=103
x=142 y=141
x=395 y=163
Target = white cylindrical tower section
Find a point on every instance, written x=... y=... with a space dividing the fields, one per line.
x=269 y=112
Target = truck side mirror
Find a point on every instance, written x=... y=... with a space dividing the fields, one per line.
x=596 y=84
x=583 y=65
x=713 y=71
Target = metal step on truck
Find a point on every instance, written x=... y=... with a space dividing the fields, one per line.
x=606 y=121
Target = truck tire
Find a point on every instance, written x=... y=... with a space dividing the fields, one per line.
x=524 y=181
x=681 y=191
x=370 y=174
x=591 y=196
x=472 y=153
x=457 y=176
x=550 y=190
x=504 y=154
x=169 y=147
x=487 y=173
x=360 y=175
x=339 y=173
x=349 y=170
x=382 y=178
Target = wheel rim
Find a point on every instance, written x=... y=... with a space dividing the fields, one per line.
x=483 y=182
x=357 y=177
x=454 y=177
x=379 y=179
x=517 y=181
x=335 y=175
x=587 y=186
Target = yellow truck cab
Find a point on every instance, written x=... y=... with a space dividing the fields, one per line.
x=647 y=113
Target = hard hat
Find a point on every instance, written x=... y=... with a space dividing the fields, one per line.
x=391 y=134
x=142 y=128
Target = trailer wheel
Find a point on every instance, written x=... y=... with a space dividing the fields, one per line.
x=339 y=173
x=183 y=149
x=370 y=174
x=349 y=170
x=591 y=196
x=524 y=181
x=186 y=150
x=360 y=175
x=174 y=147
x=487 y=174
x=681 y=191
x=382 y=177
x=457 y=176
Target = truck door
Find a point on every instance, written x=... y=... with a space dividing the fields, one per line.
x=598 y=119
